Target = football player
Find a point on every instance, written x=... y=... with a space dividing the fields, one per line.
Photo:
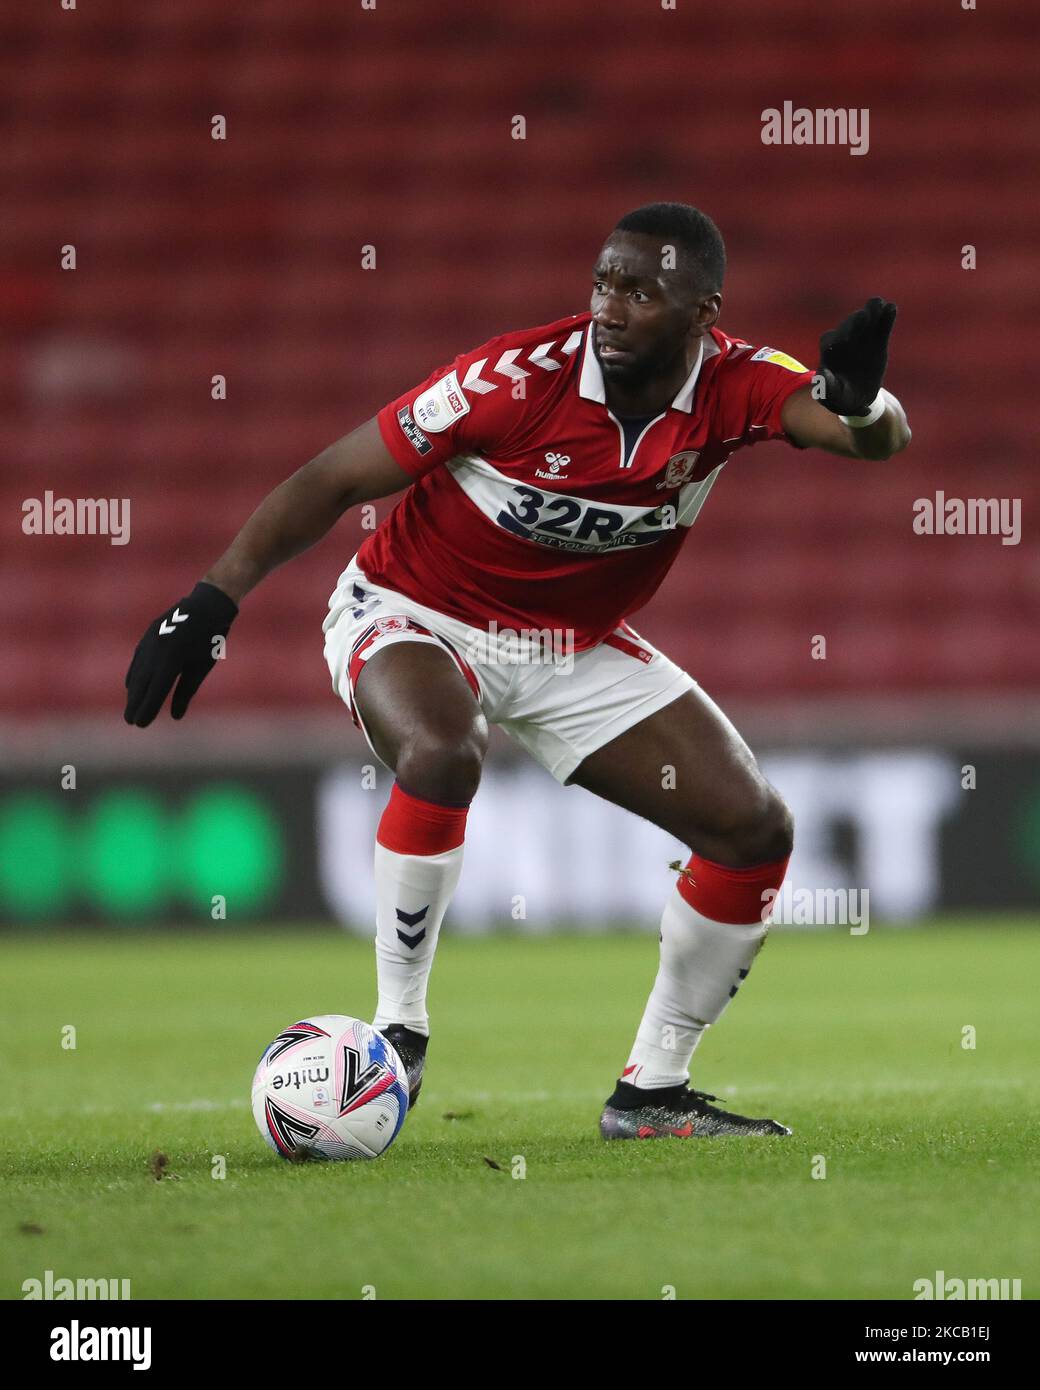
x=549 y=478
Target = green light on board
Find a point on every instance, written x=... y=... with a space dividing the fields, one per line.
x=127 y=853
x=229 y=844
x=34 y=863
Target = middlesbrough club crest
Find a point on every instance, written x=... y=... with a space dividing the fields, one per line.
x=680 y=468
x=391 y=624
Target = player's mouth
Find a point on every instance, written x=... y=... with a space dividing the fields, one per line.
x=609 y=353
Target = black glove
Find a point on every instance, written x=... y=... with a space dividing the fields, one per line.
x=853 y=358
x=180 y=643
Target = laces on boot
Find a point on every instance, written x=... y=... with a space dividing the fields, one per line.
x=696 y=1102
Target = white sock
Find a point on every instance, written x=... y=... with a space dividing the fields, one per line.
x=412 y=896
x=702 y=964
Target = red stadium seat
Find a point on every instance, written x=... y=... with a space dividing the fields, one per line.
x=242 y=258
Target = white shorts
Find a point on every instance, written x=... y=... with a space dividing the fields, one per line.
x=559 y=705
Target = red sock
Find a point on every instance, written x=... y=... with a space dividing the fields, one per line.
x=727 y=895
x=410 y=825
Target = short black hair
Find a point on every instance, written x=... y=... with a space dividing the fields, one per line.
x=691 y=231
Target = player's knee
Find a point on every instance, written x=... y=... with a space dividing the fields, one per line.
x=767 y=834
x=444 y=764
x=756 y=828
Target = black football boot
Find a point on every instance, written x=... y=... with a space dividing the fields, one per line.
x=675 y=1112
x=411 y=1048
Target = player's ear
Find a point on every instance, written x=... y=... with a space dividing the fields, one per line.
x=707 y=312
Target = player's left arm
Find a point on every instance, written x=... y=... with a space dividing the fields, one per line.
x=854 y=415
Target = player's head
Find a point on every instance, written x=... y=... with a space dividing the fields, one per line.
x=657 y=284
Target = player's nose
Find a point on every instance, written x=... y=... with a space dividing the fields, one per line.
x=608 y=313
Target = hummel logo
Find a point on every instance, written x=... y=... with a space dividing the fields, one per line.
x=166 y=626
x=556 y=462
x=412 y=920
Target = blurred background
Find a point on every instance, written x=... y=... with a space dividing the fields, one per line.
x=910 y=754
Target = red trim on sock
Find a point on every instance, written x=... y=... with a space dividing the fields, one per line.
x=728 y=895
x=410 y=825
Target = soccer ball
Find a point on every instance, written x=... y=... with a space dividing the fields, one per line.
x=330 y=1087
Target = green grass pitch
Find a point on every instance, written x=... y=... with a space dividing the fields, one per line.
x=930 y=1148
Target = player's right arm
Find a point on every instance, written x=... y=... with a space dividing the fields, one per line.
x=180 y=646
x=357 y=468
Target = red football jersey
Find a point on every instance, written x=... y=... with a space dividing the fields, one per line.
x=528 y=508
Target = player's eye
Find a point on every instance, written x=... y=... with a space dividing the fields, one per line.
x=599 y=287
x=640 y=297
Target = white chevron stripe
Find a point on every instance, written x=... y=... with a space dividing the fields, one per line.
x=572 y=342
x=540 y=358
x=506 y=364
x=473 y=381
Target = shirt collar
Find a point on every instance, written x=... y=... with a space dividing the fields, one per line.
x=590 y=383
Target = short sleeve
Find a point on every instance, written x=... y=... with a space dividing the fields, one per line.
x=454 y=410
x=757 y=386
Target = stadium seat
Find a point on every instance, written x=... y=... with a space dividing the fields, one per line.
x=242 y=258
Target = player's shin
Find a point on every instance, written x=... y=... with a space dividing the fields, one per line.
x=418 y=860
x=711 y=931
